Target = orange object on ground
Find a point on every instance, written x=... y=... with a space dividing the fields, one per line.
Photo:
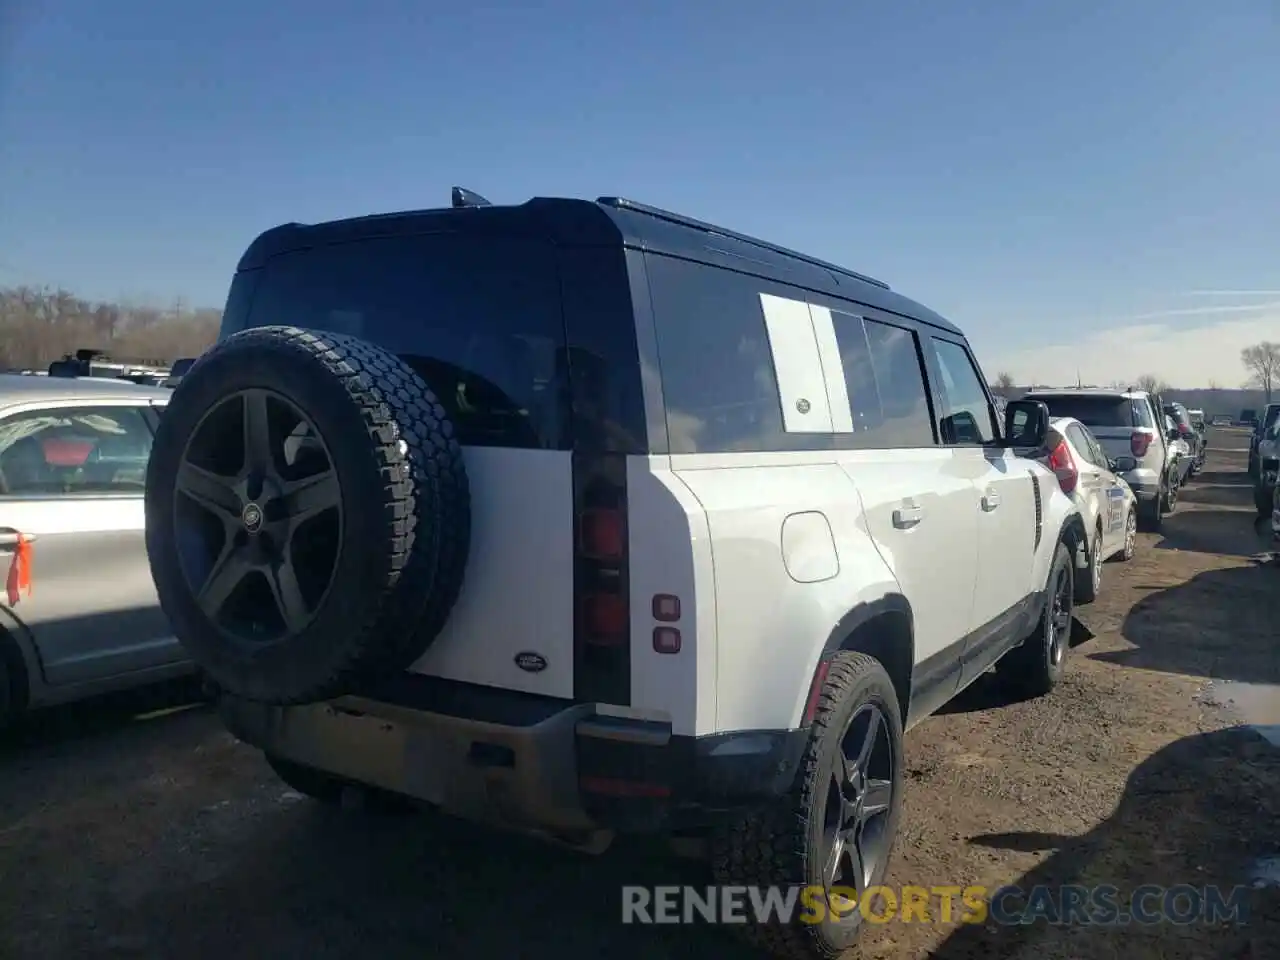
x=19 y=580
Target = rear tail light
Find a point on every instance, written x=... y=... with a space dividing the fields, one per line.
x=604 y=617
x=603 y=534
x=602 y=596
x=1184 y=430
x=1139 y=442
x=1064 y=467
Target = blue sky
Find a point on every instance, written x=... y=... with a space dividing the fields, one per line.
x=1042 y=172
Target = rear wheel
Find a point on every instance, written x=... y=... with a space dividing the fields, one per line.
x=1262 y=500
x=834 y=831
x=1151 y=514
x=1088 y=587
x=1169 y=495
x=1130 y=535
x=1035 y=667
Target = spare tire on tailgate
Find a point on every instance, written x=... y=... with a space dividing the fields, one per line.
x=308 y=514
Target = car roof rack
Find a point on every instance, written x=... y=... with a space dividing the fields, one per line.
x=621 y=203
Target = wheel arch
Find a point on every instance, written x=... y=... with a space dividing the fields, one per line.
x=15 y=665
x=883 y=628
x=1074 y=535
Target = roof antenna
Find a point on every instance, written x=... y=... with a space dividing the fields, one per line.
x=463 y=197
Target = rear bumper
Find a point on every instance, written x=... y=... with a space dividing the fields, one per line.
x=526 y=762
x=1144 y=482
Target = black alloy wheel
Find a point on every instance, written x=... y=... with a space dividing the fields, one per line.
x=857 y=838
x=258 y=519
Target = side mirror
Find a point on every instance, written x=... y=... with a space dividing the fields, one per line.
x=1124 y=464
x=1026 y=423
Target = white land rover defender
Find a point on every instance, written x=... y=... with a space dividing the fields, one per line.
x=585 y=517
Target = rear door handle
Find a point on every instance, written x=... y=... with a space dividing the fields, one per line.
x=9 y=537
x=907 y=516
x=990 y=500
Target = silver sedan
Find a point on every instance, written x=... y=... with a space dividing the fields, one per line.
x=78 y=612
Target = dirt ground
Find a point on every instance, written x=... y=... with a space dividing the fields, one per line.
x=155 y=835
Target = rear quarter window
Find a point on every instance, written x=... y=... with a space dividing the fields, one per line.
x=719 y=384
x=477 y=317
x=720 y=373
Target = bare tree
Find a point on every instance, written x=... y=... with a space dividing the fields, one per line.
x=1262 y=360
x=1004 y=384
x=40 y=325
x=1152 y=384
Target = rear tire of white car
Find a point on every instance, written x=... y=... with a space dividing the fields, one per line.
x=1034 y=668
x=1151 y=514
x=1262 y=500
x=1130 y=536
x=793 y=845
x=1089 y=586
x=308 y=514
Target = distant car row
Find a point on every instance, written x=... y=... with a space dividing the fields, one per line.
x=1154 y=446
x=91 y=364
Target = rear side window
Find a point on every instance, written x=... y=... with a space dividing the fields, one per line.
x=888 y=399
x=80 y=451
x=477 y=317
x=719 y=384
x=744 y=369
x=1080 y=440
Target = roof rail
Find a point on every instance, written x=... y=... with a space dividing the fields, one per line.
x=621 y=203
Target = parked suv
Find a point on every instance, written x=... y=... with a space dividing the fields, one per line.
x=1128 y=424
x=1192 y=436
x=585 y=517
x=1270 y=414
x=1264 y=483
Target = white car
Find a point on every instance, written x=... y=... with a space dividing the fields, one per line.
x=1093 y=481
x=609 y=521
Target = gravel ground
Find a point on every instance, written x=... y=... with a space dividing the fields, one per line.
x=128 y=834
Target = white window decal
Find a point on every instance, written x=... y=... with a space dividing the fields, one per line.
x=801 y=389
x=824 y=334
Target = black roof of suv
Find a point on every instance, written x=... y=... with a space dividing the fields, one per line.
x=607 y=221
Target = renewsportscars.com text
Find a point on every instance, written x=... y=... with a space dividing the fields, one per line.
x=1068 y=904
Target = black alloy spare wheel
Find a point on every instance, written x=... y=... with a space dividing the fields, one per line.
x=308 y=515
